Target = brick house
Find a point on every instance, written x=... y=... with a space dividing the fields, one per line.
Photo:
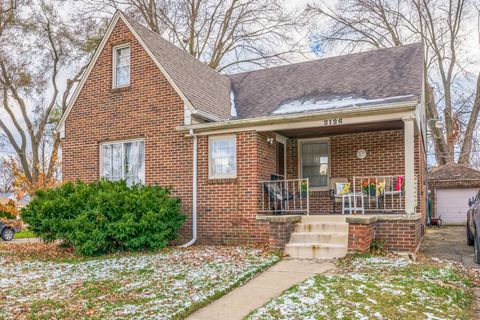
x=251 y=154
x=450 y=187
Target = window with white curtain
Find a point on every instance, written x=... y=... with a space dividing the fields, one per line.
x=314 y=162
x=222 y=156
x=123 y=161
x=121 y=65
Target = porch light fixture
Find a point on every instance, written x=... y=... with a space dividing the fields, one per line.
x=361 y=154
x=270 y=141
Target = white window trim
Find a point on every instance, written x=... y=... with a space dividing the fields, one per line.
x=299 y=156
x=283 y=140
x=221 y=176
x=100 y=155
x=114 y=65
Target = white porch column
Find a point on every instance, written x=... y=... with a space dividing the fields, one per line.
x=409 y=139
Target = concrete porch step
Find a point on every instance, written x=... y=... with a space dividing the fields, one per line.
x=324 y=219
x=322 y=227
x=340 y=238
x=315 y=250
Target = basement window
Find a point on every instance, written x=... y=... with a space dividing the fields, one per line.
x=222 y=157
x=121 y=65
x=123 y=160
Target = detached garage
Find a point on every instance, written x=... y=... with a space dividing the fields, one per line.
x=450 y=188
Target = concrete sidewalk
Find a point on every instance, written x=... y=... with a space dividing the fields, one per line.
x=23 y=240
x=271 y=283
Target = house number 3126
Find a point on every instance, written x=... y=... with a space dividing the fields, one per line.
x=330 y=122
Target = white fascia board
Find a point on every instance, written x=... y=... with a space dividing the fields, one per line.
x=278 y=122
x=206 y=116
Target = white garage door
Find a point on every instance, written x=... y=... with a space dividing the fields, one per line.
x=452 y=204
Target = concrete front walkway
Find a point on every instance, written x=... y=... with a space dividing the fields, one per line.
x=271 y=283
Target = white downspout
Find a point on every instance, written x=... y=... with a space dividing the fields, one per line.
x=194 y=192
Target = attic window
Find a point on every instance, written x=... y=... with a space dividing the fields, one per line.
x=121 y=65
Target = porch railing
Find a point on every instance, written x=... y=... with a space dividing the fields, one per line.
x=382 y=193
x=285 y=196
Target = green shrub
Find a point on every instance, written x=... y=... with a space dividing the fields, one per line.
x=104 y=216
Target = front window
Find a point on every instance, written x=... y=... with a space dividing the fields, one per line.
x=121 y=66
x=314 y=162
x=123 y=161
x=222 y=157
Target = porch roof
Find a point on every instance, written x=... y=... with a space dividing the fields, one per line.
x=315 y=132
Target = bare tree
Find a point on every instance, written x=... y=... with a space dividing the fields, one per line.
x=31 y=70
x=440 y=25
x=225 y=34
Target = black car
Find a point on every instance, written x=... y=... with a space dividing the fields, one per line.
x=473 y=225
x=6 y=232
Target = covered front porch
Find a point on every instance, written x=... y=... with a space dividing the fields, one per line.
x=343 y=168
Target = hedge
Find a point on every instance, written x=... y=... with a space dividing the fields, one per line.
x=104 y=216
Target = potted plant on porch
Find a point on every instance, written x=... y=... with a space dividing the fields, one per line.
x=303 y=189
x=369 y=187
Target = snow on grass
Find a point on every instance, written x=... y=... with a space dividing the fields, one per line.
x=313 y=104
x=376 y=288
x=162 y=286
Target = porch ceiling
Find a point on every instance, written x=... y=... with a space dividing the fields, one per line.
x=341 y=129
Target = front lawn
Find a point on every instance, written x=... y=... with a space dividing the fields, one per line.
x=376 y=288
x=166 y=285
x=24 y=234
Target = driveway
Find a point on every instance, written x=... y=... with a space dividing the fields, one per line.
x=448 y=243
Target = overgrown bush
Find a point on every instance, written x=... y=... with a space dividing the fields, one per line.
x=104 y=216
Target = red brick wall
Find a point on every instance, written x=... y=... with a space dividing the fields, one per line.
x=400 y=235
x=385 y=156
x=421 y=172
x=280 y=233
x=360 y=236
x=227 y=208
x=151 y=109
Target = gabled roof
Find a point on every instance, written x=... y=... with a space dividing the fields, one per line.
x=374 y=77
x=454 y=171
x=379 y=78
x=206 y=89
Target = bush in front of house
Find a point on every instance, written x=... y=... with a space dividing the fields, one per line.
x=105 y=216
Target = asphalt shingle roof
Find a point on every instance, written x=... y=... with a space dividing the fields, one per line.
x=360 y=79
x=454 y=171
x=206 y=89
x=386 y=75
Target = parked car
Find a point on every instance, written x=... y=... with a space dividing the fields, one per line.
x=7 y=232
x=473 y=226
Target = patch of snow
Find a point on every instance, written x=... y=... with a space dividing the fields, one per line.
x=233 y=109
x=305 y=105
x=166 y=284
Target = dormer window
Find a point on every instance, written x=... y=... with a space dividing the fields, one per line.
x=121 y=66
